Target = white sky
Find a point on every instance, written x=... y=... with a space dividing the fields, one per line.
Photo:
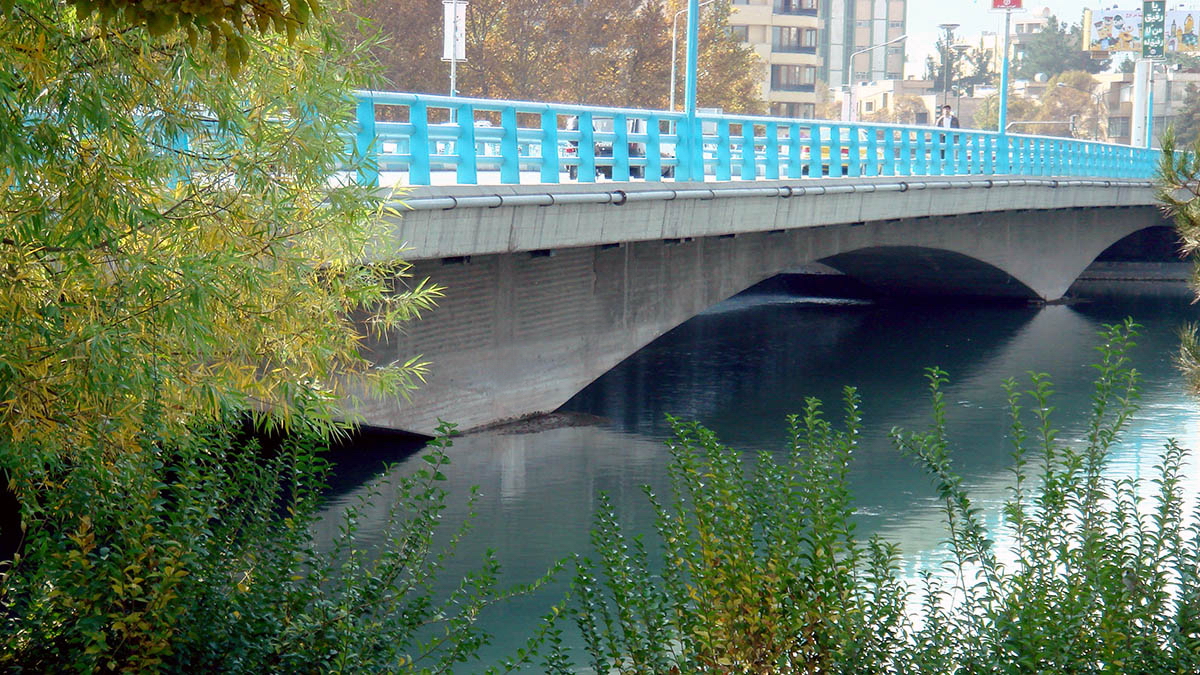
x=977 y=16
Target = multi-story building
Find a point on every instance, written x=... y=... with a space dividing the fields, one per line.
x=802 y=42
x=784 y=34
x=1116 y=91
x=854 y=25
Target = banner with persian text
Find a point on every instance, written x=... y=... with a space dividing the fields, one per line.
x=1114 y=30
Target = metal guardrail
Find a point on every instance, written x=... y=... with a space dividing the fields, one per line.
x=424 y=135
x=666 y=194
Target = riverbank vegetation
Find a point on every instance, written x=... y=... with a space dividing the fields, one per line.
x=182 y=254
x=761 y=571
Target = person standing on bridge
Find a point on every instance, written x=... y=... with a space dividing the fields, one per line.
x=946 y=118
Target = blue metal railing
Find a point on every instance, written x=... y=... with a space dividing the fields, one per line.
x=425 y=136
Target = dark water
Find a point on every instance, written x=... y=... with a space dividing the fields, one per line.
x=743 y=366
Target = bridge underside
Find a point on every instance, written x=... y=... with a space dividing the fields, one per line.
x=520 y=333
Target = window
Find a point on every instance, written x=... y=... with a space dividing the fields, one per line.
x=795 y=110
x=869 y=106
x=895 y=24
x=803 y=7
x=740 y=32
x=794 y=40
x=793 y=78
x=1118 y=126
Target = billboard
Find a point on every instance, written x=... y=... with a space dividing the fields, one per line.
x=1006 y=4
x=1114 y=30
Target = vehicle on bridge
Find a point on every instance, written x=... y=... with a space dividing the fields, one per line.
x=602 y=148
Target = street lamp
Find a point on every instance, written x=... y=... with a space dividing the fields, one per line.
x=949 y=40
x=674 y=50
x=849 y=115
x=1096 y=98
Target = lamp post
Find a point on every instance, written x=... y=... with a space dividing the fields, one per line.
x=674 y=49
x=949 y=40
x=849 y=113
x=1096 y=98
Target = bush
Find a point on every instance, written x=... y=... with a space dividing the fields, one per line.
x=197 y=556
x=761 y=571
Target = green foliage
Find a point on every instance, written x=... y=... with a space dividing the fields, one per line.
x=1178 y=192
x=198 y=556
x=1187 y=123
x=1055 y=49
x=761 y=571
x=182 y=250
x=168 y=230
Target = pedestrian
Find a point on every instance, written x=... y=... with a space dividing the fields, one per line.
x=947 y=119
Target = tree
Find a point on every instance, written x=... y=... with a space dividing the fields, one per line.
x=1187 y=123
x=729 y=71
x=987 y=115
x=1069 y=97
x=969 y=67
x=1178 y=181
x=616 y=52
x=182 y=250
x=388 y=32
x=1056 y=49
x=905 y=109
x=829 y=106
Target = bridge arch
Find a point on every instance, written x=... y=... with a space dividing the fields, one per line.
x=916 y=271
x=520 y=332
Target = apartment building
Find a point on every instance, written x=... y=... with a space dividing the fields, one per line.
x=801 y=42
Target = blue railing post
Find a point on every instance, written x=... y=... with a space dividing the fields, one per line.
x=772 y=150
x=510 y=161
x=418 y=144
x=620 y=149
x=724 y=168
x=467 y=167
x=586 y=150
x=549 y=146
x=814 y=151
x=835 y=150
x=654 y=169
x=922 y=164
x=872 y=164
x=890 y=153
x=364 y=142
x=794 y=170
x=696 y=156
x=749 y=166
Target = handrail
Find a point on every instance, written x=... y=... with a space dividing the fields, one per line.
x=423 y=135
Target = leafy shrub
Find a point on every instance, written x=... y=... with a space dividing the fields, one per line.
x=761 y=571
x=197 y=555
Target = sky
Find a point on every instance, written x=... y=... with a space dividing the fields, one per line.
x=976 y=16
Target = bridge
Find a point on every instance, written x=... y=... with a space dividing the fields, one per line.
x=568 y=237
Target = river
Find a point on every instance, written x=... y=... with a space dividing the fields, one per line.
x=744 y=365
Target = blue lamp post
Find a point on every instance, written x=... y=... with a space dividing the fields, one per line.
x=694 y=159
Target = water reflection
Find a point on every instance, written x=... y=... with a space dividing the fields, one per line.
x=741 y=367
